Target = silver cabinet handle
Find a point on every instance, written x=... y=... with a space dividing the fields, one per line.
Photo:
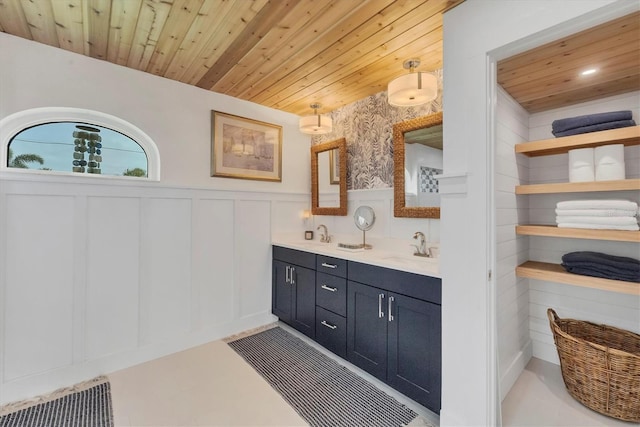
x=391 y=299
x=324 y=264
x=380 y=312
x=293 y=280
x=328 y=325
x=286 y=274
x=328 y=288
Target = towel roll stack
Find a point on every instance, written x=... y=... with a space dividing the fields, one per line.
x=609 y=162
x=581 y=165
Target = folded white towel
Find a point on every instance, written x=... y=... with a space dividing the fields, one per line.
x=599 y=220
x=595 y=212
x=599 y=226
x=598 y=204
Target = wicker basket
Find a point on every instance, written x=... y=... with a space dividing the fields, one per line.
x=600 y=365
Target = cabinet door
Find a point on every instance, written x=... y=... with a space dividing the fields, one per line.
x=281 y=291
x=367 y=328
x=415 y=349
x=303 y=309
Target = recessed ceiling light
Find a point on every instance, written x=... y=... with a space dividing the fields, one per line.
x=588 y=72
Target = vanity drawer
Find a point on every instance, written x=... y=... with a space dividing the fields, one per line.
x=292 y=256
x=331 y=331
x=331 y=293
x=329 y=265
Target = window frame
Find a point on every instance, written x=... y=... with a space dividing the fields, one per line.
x=13 y=124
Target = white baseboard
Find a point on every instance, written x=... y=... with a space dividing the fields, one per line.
x=514 y=370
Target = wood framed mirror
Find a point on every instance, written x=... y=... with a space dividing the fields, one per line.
x=329 y=178
x=417 y=157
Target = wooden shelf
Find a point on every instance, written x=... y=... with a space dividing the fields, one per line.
x=555 y=273
x=578 y=233
x=579 y=187
x=627 y=136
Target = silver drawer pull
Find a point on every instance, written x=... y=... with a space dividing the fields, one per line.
x=328 y=288
x=328 y=325
x=391 y=299
x=324 y=264
x=380 y=312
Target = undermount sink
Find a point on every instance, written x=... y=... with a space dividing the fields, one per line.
x=408 y=259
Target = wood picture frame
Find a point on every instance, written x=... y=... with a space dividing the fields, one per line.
x=244 y=148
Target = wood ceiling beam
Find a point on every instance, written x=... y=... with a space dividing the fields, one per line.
x=268 y=16
x=293 y=33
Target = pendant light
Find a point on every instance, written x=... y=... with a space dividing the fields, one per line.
x=316 y=124
x=414 y=88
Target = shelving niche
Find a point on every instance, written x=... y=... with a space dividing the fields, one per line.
x=554 y=272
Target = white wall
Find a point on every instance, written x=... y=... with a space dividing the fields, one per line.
x=99 y=274
x=514 y=343
x=476 y=34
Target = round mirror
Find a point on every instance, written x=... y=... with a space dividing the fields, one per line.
x=364 y=217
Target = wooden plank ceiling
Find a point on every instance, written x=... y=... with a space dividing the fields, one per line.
x=287 y=54
x=549 y=76
x=284 y=54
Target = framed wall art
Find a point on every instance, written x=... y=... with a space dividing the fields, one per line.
x=244 y=148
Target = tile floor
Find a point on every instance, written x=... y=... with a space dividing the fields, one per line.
x=211 y=385
x=539 y=398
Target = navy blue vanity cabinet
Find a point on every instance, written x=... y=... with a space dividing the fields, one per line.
x=394 y=329
x=293 y=289
x=367 y=329
x=414 y=350
x=331 y=304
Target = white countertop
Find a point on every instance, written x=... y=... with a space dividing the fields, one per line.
x=382 y=257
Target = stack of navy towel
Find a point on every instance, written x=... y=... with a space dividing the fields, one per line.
x=592 y=123
x=596 y=264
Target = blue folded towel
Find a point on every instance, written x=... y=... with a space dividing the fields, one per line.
x=596 y=128
x=562 y=125
x=583 y=271
x=602 y=265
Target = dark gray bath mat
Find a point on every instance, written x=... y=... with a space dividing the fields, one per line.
x=323 y=392
x=83 y=405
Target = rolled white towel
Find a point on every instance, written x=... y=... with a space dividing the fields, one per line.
x=599 y=226
x=598 y=220
x=598 y=204
x=595 y=212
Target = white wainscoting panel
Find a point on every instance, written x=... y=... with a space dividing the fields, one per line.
x=252 y=228
x=39 y=293
x=113 y=251
x=165 y=288
x=213 y=259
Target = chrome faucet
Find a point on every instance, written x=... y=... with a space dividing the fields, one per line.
x=324 y=237
x=421 y=247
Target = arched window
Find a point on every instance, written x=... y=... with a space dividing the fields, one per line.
x=75 y=141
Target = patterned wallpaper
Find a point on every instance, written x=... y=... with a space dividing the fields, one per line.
x=367 y=125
